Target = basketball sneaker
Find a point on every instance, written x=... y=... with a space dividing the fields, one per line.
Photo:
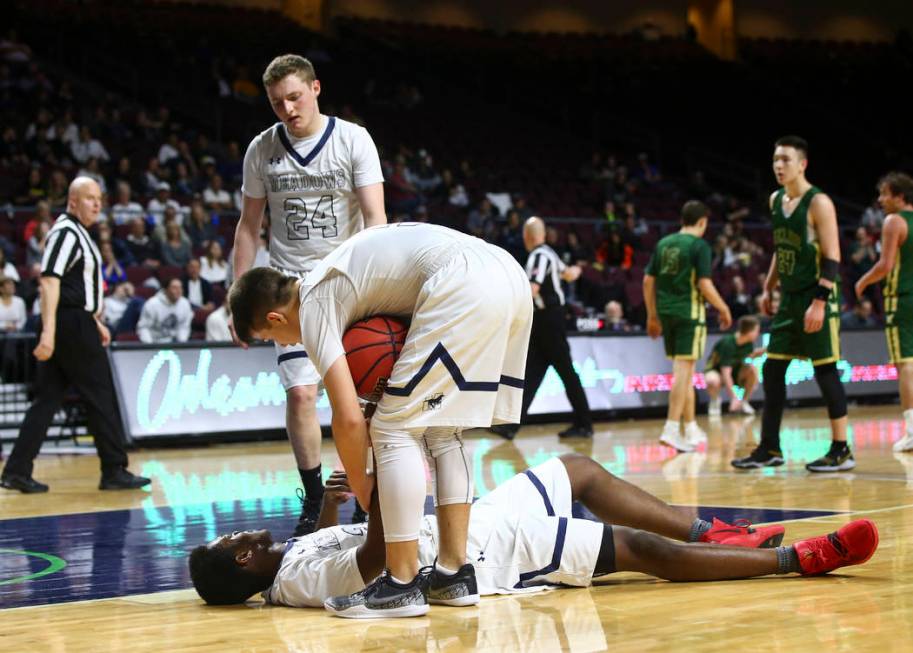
x=384 y=598
x=904 y=444
x=742 y=533
x=852 y=544
x=715 y=409
x=838 y=459
x=675 y=440
x=457 y=590
x=747 y=409
x=759 y=458
x=694 y=435
x=310 y=511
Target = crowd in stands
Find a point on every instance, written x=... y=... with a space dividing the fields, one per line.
x=172 y=196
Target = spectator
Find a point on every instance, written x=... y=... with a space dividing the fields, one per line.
x=123 y=175
x=739 y=301
x=196 y=289
x=42 y=214
x=175 y=249
x=88 y=147
x=33 y=190
x=166 y=317
x=860 y=317
x=521 y=207
x=163 y=200
x=873 y=218
x=458 y=196
x=427 y=180
x=199 y=226
x=647 y=172
x=122 y=309
x=573 y=252
x=57 y=190
x=92 y=171
x=183 y=183
x=171 y=217
x=232 y=164
x=125 y=210
x=217 y=325
x=213 y=266
x=104 y=234
x=28 y=288
x=169 y=150
x=862 y=254
x=615 y=253
x=481 y=220
x=7 y=269
x=111 y=270
x=64 y=130
x=608 y=212
x=634 y=224
x=12 y=308
x=215 y=197
x=34 y=248
x=404 y=197
x=143 y=249
x=511 y=236
x=154 y=176
x=614 y=318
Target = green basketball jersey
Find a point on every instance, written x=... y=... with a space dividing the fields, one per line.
x=677 y=263
x=900 y=278
x=728 y=353
x=797 y=256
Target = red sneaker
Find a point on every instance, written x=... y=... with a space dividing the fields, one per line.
x=852 y=544
x=741 y=533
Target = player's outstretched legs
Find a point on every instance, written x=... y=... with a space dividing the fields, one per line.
x=615 y=501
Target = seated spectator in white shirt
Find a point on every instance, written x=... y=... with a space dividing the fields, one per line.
x=12 y=308
x=122 y=308
x=87 y=147
x=169 y=150
x=213 y=266
x=7 y=269
x=163 y=200
x=216 y=198
x=196 y=288
x=217 y=325
x=166 y=316
x=125 y=209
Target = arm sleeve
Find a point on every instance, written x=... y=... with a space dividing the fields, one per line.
x=366 y=168
x=702 y=257
x=59 y=253
x=253 y=184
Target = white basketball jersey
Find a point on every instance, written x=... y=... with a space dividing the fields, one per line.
x=310 y=186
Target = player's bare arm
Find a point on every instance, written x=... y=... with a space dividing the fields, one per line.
x=654 y=327
x=247 y=234
x=371 y=200
x=823 y=216
x=350 y=431
x=710 y=293
x=893 y=235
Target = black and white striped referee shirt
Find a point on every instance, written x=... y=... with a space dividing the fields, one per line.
x=72 y=256
x=544 y=267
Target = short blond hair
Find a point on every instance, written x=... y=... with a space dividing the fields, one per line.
x=288 y=64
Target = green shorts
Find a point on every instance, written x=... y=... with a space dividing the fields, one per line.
x=788 y=339
x=898 y=319
x=684 y=338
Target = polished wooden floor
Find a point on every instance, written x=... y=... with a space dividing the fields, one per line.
x=863 y=608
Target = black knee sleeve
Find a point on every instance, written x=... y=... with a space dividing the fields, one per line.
x=774 y=400
x=828 y=379
x=605 y=562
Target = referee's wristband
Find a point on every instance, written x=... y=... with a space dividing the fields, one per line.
x=822 y=292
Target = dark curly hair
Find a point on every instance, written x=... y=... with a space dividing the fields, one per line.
x=219 y=580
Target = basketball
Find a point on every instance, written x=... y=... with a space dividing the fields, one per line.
x=372 y=347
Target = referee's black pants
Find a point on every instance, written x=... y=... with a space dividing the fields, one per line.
x=548 y=347
x=79 y=360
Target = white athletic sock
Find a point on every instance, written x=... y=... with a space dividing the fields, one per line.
x=398 y=581
x=671 y=427
x=441 y=569
x=908 y=420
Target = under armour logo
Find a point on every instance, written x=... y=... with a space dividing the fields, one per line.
x=275 y=161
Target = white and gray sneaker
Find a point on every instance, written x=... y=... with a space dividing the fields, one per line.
x=747 y=408
x=715 y=409
x=675 y=440
x=458 y=590
x=384 y=598
x=904 y=444
x=694 y=435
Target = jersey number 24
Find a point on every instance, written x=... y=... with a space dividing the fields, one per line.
x=301 y=220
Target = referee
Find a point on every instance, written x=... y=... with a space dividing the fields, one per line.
x=71 y=305
x=548 y=341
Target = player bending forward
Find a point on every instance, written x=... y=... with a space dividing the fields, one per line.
x=523 y=538
x=461 y=366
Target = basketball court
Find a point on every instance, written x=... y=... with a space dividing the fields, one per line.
x=127 y=551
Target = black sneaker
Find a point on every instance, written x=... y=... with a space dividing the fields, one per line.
x=840 y=460
x=121 y=479
x=25 y=484
x=577 y=432
x=506 y=431
x=383 y=599
x=759 y=458
x=310 y=511
x=458 y=590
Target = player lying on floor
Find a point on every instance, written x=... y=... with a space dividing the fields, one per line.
x=522 y=537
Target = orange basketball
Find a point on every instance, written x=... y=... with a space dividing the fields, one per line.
x=372 y=346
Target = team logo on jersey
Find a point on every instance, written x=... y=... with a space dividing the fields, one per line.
x=433 y=402
x=275 y=161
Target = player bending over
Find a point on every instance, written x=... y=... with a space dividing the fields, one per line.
x=726 y=367
x=522 y=538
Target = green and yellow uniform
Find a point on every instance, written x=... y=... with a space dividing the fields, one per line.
x=798 y=258
x=727 y=352
x=678 y=262
x=898 y=300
